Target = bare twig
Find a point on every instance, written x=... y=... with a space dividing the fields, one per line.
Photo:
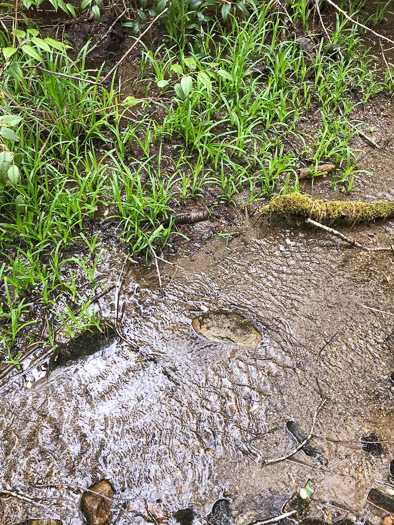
x=358 y=23
x=385 y=61
x=22 y=497
x=299 y=447
x=353 y=242
x=107 y=33
x=135 y=43
x=370 y=141
x=376 y=310
x=157 y=266
x=72 y=77
x=118 y=287
x=273 y=520
x=321 y=19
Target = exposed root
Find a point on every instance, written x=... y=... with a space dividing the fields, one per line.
x=298 y=208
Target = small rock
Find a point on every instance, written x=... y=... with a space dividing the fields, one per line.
x=153 y=512
x=387 y=520
x=297 y=503
x=345 y=521
x=371 y=444
x=96 y=503
x=220 y=513
x=381 y=500
x=184 y=516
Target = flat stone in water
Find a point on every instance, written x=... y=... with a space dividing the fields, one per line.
x=220 y=513
x=222 y=326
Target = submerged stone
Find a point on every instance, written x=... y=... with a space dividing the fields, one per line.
x=384 y=501
x=184 y=516
x=221 y=326
x=220 y=513
x=87 y=343
x=372 y=445
x=96 y=503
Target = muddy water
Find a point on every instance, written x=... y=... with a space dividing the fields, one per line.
x=186 y=420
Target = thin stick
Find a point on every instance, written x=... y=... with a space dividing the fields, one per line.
x=12 y=494
x=107 y=33
x=299 y=447
x=135 y=43
x=358 y=23
x=345 y=238
x=157 y=266
x=385 y=61
x=370 y=141
x=321 y=19
x=273 y=520
x=72 y=77
x=376 y=310
x=118 y=286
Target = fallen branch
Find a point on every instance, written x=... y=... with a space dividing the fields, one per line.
x=358 y=23
x=323 y=169
x=188 y=218
x=302 y=444
x=353 y=242
x=298 y=208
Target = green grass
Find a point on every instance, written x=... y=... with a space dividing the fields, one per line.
x=234 y=97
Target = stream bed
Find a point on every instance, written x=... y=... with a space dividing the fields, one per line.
x=177 y=421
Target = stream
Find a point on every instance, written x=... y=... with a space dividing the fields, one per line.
x=177 y=421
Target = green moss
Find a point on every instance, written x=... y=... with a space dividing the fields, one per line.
x=297 y=208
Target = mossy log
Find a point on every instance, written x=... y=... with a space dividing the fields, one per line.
x=297 y=208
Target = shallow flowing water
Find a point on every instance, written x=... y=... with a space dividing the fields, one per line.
x=184 y=420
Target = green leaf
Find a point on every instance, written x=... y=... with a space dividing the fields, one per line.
x=18 y=157
x=9 y=51
x=8 y=134
x=13 y=175
x=190 y=63
x=152 y=12
x=179 y=91
x=307 y=491
x=225 y=74
x=96 y=13
x=71 y=8
x=100 y=4
x=226 y=8
x=161 y=5
x=205 y=80
x=40 y=43
x=57 y=45
x=33 y=32
x=85 y=3
x=243 y=8
x=15 y=72
x=177 y=68
x=20 y=34
x=162 y=83
x=142 y=15
x=20 y=203
x=187 y=84
x=5 y=161
x=10 y=120
x=129 y=102
x=32 y=52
